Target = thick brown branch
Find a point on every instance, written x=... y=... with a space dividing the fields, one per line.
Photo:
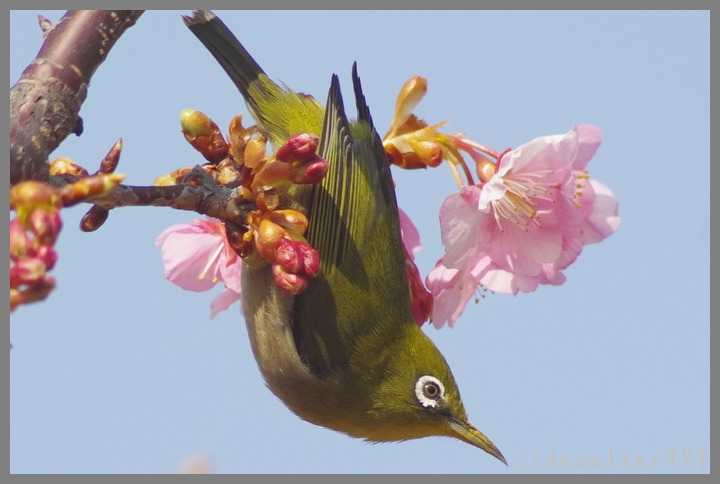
x=46 y=100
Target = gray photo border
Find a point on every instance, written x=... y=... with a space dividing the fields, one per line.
x=5 y=476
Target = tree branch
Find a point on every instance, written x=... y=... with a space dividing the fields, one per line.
x=46 y=100
x=198 y=193
x=222 y=203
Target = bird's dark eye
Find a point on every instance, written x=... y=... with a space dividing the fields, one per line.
x=429 y=390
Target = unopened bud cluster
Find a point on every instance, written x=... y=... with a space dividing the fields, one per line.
x=278 y=237
x=271 y=233
x=278 y=233
x=33 y=233
x=37 y=222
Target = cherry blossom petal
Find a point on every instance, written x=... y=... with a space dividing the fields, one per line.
x=604 y=219
x=196 y=256
x=409 y=233
x=463 y=227
x=589 y=139
x=187 y=258
x=223 y=301
x=451 y=289
x=230 y=273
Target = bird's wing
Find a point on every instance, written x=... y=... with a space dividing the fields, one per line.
x=362 y=292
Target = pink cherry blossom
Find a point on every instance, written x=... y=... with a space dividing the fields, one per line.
x=223 y=301
x=451 y=289
x=196 y=256
x=523 y=224
x=409 y=233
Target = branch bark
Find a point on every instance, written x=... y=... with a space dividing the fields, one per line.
x=44 y=107
x=219 y=202
x=46 y=100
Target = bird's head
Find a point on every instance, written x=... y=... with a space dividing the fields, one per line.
x=411 y=393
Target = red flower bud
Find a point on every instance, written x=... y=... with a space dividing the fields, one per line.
x=292 y=284
x=45 y=225
x=48 y=256
x=20 y=243
x=310 y=173
x=311 y=259
x=289 y=256
x=15 y=276
x=30 y=270
x=298 y=148
x=34 y=293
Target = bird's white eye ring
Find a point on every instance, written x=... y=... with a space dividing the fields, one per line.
x=429 y=390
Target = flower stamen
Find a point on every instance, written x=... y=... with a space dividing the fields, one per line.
x=213 y=260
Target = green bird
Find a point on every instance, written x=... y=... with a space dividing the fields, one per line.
x=346 y=353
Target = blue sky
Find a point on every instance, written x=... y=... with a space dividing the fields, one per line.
x=122 y=372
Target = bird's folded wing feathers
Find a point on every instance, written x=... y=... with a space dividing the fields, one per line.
x=361 y=291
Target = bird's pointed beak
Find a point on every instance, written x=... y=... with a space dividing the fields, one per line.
x=466 y=432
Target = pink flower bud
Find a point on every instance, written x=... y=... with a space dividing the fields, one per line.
x=310 y=173
x=292 y=284
x=289 y=256
x=20 y=243
x=30 y=270
x=15 y=276
x=33 y=293
x=298 y=148
x=311 y=259
x=45 y=225
x=48 y=256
